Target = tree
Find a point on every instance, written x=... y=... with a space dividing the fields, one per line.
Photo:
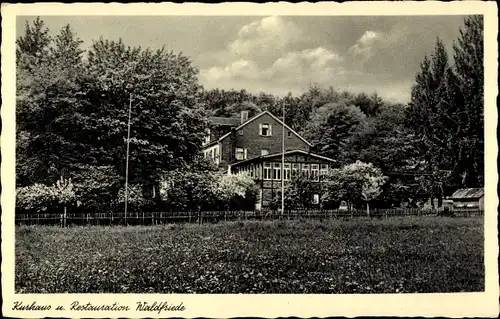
x=234 y=186
x=36 y=197
x=167 y=123
x=299 y=192
x=65 y=194
x=370 y=105
x=96 y=186
x=193 y=187
x=331 y=127
x=354 y=182
x=34 y=44
x=447 y=102
x=47 y=106
x=469 y=70
x=428 y=118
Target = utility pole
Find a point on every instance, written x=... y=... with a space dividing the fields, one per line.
x=283 y=166
x=128 y=149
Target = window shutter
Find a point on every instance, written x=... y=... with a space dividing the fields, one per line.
x=245 y=155
x=260 y=129
x=270 y=130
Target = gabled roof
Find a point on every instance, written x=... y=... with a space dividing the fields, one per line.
x=225 y=121
x=275 y=118
x=468 y=193
x=286 y=153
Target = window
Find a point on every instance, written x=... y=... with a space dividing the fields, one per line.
x=315 y=199
x=216 y=158
x=295 y=169
x=277 y=171
x=241 y=153
x=265 y=130
x=264 y=152
x=305 y=170
x=324 y=170
x=315 y=172
x=252 y=171
x=289 y=134
x=207 y=137
x=240 y=132
x=267 y=171
x=286 y=171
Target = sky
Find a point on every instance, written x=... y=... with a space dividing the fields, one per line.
x=281 y=54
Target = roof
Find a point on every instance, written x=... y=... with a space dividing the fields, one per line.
x=286 y=153
x=229 y=121
x=468 y=193
x=275 y=118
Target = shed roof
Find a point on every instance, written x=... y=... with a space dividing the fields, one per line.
x=468 y=193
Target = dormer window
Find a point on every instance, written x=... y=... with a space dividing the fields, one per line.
x=265 y=129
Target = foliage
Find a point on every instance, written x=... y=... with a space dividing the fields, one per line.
x=447 y=111
x=394 y=255
x=96 y=186
x=299 y=192
x=72 y=113
x=167 y=126
x=64 y=191
x=233 y=186
x=192 y=187
x=331 y=128
x=47 y=104
x=36 y=197
x=135 y=196
x=41 y=197
x=354 y=182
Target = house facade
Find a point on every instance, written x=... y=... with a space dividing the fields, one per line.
x=254 y=146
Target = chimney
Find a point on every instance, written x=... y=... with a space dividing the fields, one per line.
x=244 y=116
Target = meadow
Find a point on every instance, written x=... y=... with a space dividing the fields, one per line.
x=393 y=255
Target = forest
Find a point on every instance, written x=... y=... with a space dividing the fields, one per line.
x=72 y=113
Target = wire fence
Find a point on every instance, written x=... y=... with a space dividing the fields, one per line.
x=154 y=218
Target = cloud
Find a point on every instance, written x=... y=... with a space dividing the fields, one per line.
x=364 y=45
x=296 y=68
x=267 y=54
x=237 y=69
x=265 y=38
x=273 y=55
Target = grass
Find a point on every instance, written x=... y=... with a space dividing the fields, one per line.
x=395 y=255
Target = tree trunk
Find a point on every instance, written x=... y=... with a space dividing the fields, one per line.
x=367 y=209
x=64 y=218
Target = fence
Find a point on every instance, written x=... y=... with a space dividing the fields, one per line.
x=154 y=218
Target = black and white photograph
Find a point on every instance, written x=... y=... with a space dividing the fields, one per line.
x=260 y=154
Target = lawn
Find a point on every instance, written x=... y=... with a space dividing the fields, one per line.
x=400 y=254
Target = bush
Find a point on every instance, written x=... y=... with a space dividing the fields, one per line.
x=36 y=197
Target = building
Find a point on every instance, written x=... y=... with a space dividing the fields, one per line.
x=254 y=145
x=468 y=198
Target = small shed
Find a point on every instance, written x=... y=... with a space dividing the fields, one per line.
x=468 y=198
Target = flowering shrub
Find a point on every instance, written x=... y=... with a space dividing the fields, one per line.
x=36 y=197
x=41 y=197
